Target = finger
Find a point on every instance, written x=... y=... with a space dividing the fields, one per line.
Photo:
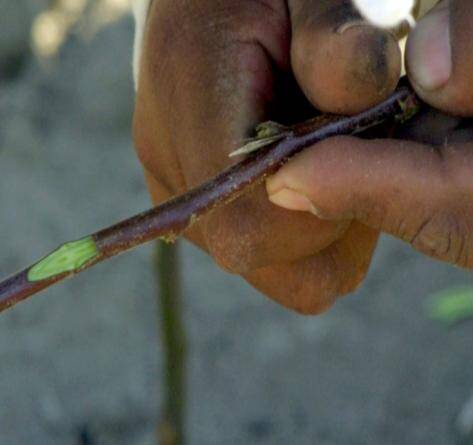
x=208 y=87
x=415 y=192
x=312 y=285
x=205 y=87
x=440 y=57
x=342 y=72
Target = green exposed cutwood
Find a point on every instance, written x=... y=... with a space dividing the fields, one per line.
x=68 y=258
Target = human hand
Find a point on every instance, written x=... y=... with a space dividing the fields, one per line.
x=420 y=192
x=211 y=70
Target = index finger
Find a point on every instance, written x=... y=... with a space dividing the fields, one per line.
x=342 y=63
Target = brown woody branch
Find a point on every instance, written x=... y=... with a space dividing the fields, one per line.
x=171 y=219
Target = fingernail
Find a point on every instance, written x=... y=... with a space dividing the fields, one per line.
x=292 y=200
x=429 y=52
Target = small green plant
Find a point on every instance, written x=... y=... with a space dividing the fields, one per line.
x=452 y=305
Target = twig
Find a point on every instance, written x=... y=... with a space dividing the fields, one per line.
x=171 y=219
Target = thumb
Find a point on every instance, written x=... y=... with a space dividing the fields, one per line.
x=440 y=57
x=409 y=190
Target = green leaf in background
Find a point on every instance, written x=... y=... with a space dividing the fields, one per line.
x=452 y=305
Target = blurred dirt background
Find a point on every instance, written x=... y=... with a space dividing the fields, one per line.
x=84 y=358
